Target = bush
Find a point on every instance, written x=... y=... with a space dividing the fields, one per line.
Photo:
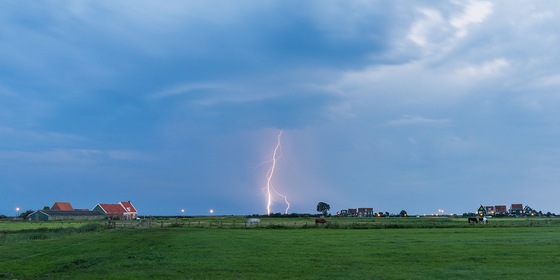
x=90 y=227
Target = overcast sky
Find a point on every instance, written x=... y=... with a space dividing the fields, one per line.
x=414 y=105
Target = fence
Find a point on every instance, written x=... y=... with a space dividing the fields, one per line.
x=335 y=223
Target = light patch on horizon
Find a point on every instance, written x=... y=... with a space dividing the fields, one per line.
x=409 y=120
x=185 y=89
x=403 y=84
x=485 y=70
x=19 y=135
x=548 y=81
x=71 y=156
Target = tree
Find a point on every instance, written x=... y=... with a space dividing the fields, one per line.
x=25 y=214
x=403 y=213
x=46 y=208
x=323 y=208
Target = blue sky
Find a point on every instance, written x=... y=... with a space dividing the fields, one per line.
x=415 y=105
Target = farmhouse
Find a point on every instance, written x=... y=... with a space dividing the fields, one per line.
x=123 y=210
x=57 y=215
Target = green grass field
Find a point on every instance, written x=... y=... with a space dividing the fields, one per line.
x=223 y=248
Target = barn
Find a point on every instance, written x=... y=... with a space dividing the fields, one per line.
x=58 y=215
x=63 y=206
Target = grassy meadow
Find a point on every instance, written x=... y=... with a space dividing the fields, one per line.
x=225 y=248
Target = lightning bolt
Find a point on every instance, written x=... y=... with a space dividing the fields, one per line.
x=269 y=186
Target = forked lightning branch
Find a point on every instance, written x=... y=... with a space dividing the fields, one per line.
x=270 y=189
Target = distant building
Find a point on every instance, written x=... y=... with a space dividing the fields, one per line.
x=529 y=211
x=57 y=215
x=481 y=211
x=516 y=209
x=62 y=206
x=357 y=212
x=365 y=212
x=490 y=210
x=501 y=210
x=122 y=210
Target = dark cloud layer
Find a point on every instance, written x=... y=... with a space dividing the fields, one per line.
x=394 y=105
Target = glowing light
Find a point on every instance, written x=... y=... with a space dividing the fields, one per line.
x=269 y=186
x=211 y=211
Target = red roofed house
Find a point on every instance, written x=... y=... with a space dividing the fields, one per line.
x=62 y=206
x=516 y=209
x=123 y=210
x=501 y=209
x=130 y=210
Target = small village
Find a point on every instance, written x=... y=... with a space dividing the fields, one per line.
x=123 y=210
x=515 y=210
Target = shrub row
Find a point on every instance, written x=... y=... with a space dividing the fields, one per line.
x=43 y=233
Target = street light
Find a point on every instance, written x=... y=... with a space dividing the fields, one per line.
x=17 y=212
